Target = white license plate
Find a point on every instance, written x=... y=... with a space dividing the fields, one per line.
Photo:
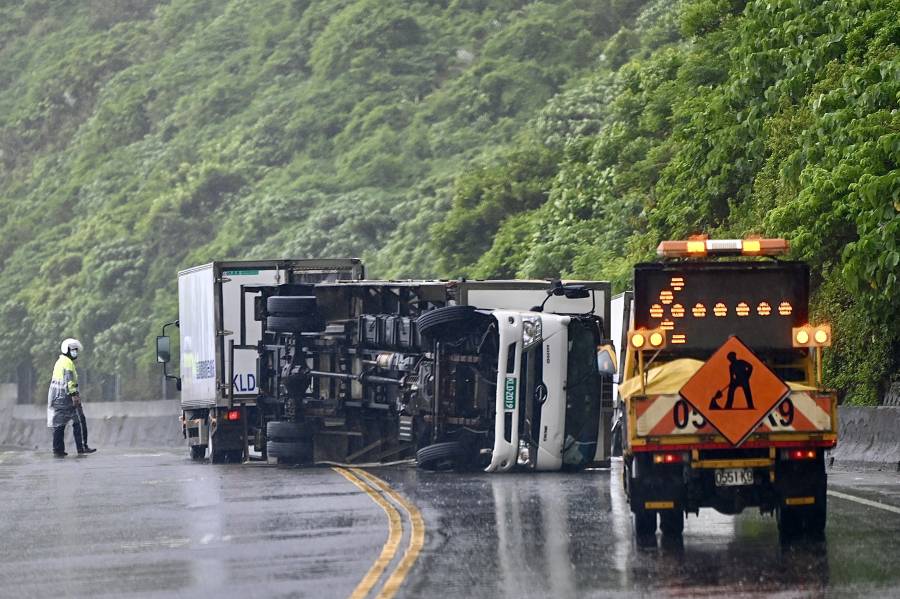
x=734 y=477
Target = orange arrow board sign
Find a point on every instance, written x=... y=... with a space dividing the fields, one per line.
x=734 y=390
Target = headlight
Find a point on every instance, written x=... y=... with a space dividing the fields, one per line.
x=531 y=330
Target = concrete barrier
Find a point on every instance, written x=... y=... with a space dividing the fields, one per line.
x=110 y=424
x=868 y=437
x=892 y=395
x=8 y=397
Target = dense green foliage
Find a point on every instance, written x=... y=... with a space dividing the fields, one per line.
x=139 y=137
x=438 y=137
x=728 y=118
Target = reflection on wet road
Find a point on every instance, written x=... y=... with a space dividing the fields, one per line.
x=152 y=525
x=155 y=524
x=565 y=535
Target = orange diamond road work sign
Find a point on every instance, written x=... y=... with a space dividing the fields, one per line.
x=734 y=390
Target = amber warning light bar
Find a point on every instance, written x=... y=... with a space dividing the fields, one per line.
x=699 y=247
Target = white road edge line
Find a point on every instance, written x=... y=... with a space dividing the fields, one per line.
x=867 y=502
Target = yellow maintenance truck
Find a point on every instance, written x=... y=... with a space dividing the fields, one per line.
x=723 y=401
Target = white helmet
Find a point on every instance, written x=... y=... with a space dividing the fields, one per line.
x=69 y=344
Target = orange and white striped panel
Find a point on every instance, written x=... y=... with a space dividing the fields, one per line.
x=803 y=412
x=663 y=415
x=666 y=415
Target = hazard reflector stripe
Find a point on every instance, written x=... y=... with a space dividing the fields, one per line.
x=656 y=416
x=656 y=409
x=811 y=414
x=800 y=500
x=816 y=409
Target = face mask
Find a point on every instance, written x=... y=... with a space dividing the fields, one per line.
x=74 y=353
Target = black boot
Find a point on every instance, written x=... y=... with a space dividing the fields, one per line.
x=59 y=443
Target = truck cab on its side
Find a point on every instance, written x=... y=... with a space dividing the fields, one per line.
x=513 y=389
x=383 y=369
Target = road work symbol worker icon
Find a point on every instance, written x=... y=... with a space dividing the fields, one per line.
x=734 y=390
x=738 y=376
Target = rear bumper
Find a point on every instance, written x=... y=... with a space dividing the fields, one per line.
x=691 y=485
x=198 y=425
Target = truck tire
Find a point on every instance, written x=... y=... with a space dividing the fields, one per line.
x=198 y=452
x=644 y=523
x=440 y=456
x=286 y=431
x=814 y=521
x=671 y=522
x=227 y=456
x=790 y=523
x=815 y=517
x=437 y=323
x=291 y=305
x=289 y=452
x=292 y=324
x=218 y=455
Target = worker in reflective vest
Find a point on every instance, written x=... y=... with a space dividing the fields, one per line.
x=64 y=401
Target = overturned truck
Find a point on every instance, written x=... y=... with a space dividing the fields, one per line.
x=460 y=374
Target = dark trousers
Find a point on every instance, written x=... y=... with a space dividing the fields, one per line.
x=79 y=417
x=59 y=435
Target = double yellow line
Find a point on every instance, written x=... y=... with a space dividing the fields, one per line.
x=377 y=490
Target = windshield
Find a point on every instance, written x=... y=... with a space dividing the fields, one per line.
x=582 y=396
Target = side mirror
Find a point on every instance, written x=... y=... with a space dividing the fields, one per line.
x=606 y=359
x=576 y=291
x=569 y=290
x=163 y=349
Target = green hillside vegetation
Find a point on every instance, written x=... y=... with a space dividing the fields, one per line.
x=776 y=118
x=471 y=138
x=139 y=137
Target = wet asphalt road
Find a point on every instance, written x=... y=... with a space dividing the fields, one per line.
x=154 y=524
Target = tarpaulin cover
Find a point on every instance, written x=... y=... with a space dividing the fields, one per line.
x=668 y=378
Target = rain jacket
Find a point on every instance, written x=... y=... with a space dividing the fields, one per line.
x=63 y=385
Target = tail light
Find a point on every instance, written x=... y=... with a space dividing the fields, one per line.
x=798 y=454
x=233 y=415
x=669 y=458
